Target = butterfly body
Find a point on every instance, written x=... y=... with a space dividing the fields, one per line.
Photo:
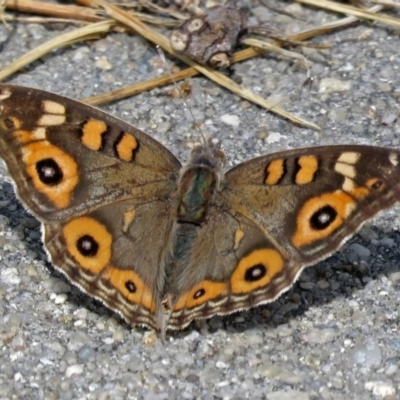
x=163 y=244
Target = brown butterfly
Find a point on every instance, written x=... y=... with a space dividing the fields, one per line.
x=163 y=244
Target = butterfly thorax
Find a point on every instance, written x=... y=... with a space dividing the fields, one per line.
x=198 y=182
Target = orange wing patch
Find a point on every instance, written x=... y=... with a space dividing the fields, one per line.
x=200 y=294
x=89 y=243
x=129 y=216
x=125 y=147
x=308 y=167
x=53 y=172
x=256 y=270
x=23 y=136
x=131 y=287
x=375 y=184
x=239 y=235
x=274 y=172
x=92 y=134
x=322 y=215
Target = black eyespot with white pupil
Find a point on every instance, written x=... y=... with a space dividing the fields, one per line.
x=87 y=246
x=49 y=172
x=130 y=286
x=322 y=218
x=255 y=273
x=201 y=292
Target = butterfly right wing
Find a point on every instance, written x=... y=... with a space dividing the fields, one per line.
x=309 y=201
x=273 y=216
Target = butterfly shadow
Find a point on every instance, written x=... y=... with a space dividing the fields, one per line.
x=348 y=270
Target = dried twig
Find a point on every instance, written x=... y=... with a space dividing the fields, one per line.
x=388 y=3
x=78 y=13
x=41 y=20
x=354 y=11
x=55 y=10
x=87 y=32
x=131 y=90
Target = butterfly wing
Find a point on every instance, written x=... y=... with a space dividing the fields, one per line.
x=58 y=151
x=102 y=189
x=311 y=200
x=276 y=215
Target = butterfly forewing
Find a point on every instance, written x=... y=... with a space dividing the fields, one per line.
x=59 y=150
x=309 y=201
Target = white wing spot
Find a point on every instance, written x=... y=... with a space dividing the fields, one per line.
x=39 y=133
x=349 y=157
x=348 y=185
x=52 y=107
x=345 y=169
x=5 y=94
x=51 y=120
x=394 y=159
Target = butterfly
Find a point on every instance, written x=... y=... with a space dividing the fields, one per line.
x=163 y=244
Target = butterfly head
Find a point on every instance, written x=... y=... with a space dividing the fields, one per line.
x=208 y=155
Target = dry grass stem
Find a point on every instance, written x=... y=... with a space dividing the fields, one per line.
x=168 y=23
x=165 y=11
x=128 y=91
x=389 y=3
x=55 y=10
x=354 y=11
x=3 y=4
x=77 y=13
x=330 y=26
x=41 y=20
x=87 y=32
x=276 y=49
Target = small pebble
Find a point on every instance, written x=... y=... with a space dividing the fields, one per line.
x=379 y=388
x=73 y=370
x=367 y=355
x=332 y=85
x=229 y=119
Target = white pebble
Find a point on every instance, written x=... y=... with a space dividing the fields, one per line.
x=61 y=299
x=103 y=63
x=379 y=388
x=73 y=370
x=230 y=119
x=332 y=85
x=221 y=365
x=274 y=137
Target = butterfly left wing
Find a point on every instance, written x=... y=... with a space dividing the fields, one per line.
x=276 y=215
x=102 y=190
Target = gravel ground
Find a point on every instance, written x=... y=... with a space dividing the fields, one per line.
x=334 y=335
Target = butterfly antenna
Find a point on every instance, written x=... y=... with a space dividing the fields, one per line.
x=162 y=56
